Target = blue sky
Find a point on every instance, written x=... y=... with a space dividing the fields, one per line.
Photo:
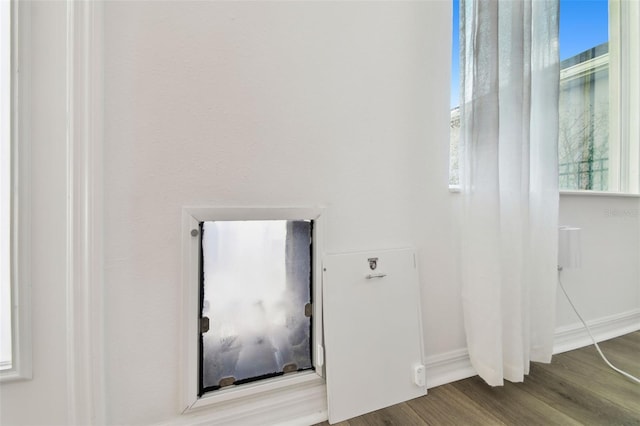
x=583 y=25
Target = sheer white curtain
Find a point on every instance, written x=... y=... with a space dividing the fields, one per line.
x=509 y=117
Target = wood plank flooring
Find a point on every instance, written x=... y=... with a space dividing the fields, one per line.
x=577 y=388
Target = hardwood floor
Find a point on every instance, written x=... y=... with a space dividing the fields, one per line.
x=577 y=388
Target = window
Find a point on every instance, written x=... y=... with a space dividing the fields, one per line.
x=5 y=189
x=252 y=303
x=598 y=138
x=15 y=315
x=454 y=123
x=256 y=300
x=583 y=138
x=599 y=134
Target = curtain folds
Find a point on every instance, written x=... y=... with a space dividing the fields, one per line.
x=509 y=180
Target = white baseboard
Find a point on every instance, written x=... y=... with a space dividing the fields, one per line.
x=301 y=405
x=455 y=365
x=307 y=405
x=574 y=336
x=310 y=419
x=448 y=367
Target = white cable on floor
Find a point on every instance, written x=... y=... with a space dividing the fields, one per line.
x=629 y=376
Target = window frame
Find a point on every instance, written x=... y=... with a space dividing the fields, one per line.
x=5 y=180
x=191 y=218
x=624 y=95
x=20 y=203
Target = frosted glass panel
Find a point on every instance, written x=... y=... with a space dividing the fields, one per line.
x=256 y=283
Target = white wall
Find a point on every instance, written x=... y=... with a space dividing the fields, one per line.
x=266 y=104
x=340 y=104
x=269 y=104
x=608 y=282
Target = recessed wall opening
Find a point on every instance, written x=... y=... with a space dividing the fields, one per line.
x=255 y=301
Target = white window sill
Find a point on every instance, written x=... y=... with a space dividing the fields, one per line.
x=14 y=375
x=455 y=189
x=599 y=194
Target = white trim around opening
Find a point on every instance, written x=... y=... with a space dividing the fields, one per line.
x=263 y=390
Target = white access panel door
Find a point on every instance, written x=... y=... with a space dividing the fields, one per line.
x=372 y=331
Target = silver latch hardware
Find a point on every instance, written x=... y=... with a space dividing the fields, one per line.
x=373 y=263
x=372 y=276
